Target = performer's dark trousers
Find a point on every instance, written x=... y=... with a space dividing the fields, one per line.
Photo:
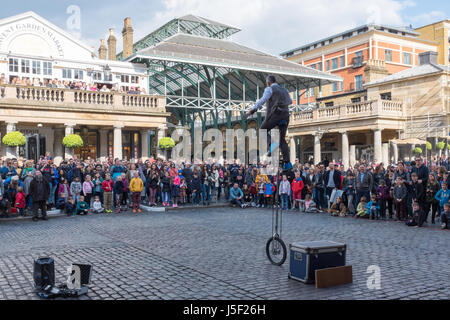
x=273 y=122
x=42 y=205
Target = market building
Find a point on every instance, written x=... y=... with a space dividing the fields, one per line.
x=112 y=122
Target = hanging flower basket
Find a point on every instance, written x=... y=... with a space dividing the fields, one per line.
x=14 y=139
x=166 y=143
x=418 y=150
x=73 y=141
x=429 y=146
x=440 y=145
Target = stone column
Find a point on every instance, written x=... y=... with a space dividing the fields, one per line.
x=103 y=136
x=293 y=150
x=144 y=143
x=118 y=142
x=385 y=153
x=395 y=152
x=377 y=145
x=161 y=134
x=68 y=153
x=11 y=152
x=317 y=149
x=352 y=155
x=58 y=149
x=345 y=149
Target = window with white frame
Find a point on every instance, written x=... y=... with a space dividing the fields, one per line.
x=67 y=73
x=334 y=63
x=13 y=65
x=388 y=55
x=342 y=61
x=125 y=78
x=36 y=67
x=78 y=74
x=25 y=66
x=97 y=76
x=406 y=58
x=47 y=68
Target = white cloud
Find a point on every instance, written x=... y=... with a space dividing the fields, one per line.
x=427 y=17
x=275 y=26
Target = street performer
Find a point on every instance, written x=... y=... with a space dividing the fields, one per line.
x=277 y=115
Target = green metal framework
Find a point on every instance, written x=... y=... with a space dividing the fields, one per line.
x=188 y=25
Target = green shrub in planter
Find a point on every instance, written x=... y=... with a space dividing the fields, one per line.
x=73 y=141
x=166 y=143
x=440 y=145
x=14 y=139
x=429 y=146
x=418 y=150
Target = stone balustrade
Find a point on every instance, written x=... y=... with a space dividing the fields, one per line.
x=91 y=101
x=372 y=108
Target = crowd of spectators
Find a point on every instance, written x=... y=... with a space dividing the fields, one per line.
x=409 y=192
x=73 y=85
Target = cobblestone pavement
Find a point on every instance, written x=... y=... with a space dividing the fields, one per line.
x=220 y=254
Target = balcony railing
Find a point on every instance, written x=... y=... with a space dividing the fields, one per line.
x=56 y=98
x=373 y=108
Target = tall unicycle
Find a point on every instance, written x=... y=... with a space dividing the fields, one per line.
x=275 y=247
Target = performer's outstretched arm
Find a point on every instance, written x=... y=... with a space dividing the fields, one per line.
x=267 y=95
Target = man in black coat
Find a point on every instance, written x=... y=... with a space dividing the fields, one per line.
x=187 y=174
x=332 y=179
x=39 y=191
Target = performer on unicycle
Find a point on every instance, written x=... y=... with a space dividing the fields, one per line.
x=277 y=115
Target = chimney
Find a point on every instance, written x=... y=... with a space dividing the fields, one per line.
x=102 y=50
x=428 y=57
x=127 y=34
x=112 y=45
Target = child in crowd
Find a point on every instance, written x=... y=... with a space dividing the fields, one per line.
x=107 y=188
x=445 y=217
x=118 y=190
x=338 y=208
x=285 y=192
x=382 y=192
x=98 y=182
x=183 y=188
x=373 y=209
x=418 y=217
x=350 y=191
x=310 y=205
x=297 y=189
x=76 y=188
x=261 y=198
x=64 y=190
x=361 y=210
x=136 y=188
x=153 y=188
x=165 y=181
x=400 y=194
x=126 y=191
x=254 y=194
x=88 y=189
x=61 y=202
x=443 y=195
x=97 y=206
x=20 y=201
x=247 y=195
x=82 y=207
x=268 y=195
x=70 y=207
x=175 y=190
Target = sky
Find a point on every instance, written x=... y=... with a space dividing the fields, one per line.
x=270 y=26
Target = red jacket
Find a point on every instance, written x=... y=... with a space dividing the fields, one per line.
x=20 y=200
x=297 y=185
x=107 y=186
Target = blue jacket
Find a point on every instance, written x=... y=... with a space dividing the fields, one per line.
x=443 y=197
x=235 y=193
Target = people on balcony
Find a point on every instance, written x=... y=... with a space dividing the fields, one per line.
x=73 y=85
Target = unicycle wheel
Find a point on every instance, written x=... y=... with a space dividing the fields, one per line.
x=276 y=251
